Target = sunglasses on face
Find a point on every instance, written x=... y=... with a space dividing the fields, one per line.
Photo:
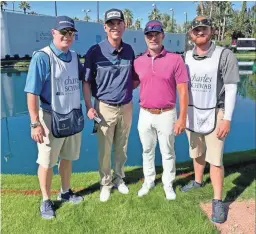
x=202 y=22
x=64 y=32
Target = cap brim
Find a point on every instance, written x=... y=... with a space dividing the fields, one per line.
x=145 y=32
x=113 y=18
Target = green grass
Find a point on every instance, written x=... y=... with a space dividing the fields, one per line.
x=125 y=213
x=246 y=55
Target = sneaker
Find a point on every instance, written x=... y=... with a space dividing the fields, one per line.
x=47 y=209
x=169 y=193
x=69 y=197
x=145 y=189
x=122 y=188
x=105 y=193
x=191 y=185
x=218 y=211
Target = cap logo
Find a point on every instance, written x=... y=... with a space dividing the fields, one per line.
x=65 y=22
x=152 y=24
x=114 y=14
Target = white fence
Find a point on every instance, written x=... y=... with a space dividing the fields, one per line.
x=23 y=34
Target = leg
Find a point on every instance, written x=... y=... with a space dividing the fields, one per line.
x=69 y=152
x=217 y=176
x=199 y=165
x=65 y=168
x=48 y=153
x=197 y=151
x=148 y=138
x=121 y=135
x=164 y=125
x=105 y=135
x=45 y=181
x=214 y=155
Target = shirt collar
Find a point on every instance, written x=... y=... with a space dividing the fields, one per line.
x=111 y=49
x=162 y=54
x=208 y=53
x=57 y=51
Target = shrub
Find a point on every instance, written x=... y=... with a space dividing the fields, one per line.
x=16 y=56
x=7 y=57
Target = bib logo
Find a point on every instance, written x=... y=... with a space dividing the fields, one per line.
x=201 y=83
x=71 y=84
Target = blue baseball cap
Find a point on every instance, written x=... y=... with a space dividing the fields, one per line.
x=153 y=26
x=64 y=22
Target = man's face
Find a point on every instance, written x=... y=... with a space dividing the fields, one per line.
x=114 y=29
x=154 y=40
x=201 y=35
x=63 y=38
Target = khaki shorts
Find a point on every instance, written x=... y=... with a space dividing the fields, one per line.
x=66 y=148
x=208 y=146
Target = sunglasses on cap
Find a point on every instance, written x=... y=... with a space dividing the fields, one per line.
x=203 y=22
x=64 y=32
x=155 y=27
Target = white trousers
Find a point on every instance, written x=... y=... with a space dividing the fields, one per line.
x=151 y=127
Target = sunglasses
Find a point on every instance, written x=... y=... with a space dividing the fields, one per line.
x=64 y=32
x=155 y=27
x=202 y=22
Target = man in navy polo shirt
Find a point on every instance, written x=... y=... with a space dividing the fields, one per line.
x=109 y=73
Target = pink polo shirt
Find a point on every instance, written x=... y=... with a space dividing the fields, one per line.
x=158 y=78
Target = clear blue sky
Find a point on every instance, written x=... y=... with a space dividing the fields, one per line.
x=140 y=9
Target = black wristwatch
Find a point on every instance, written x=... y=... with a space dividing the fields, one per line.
x=35 y=124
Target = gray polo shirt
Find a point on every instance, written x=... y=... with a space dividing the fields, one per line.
x=110 y=72
x=228 y=68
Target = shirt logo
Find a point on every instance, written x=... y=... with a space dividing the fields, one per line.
x=114 y=14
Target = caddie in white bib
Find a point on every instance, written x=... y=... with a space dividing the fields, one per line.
x=203 y=97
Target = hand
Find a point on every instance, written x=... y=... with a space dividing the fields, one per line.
x=92 y=113
x=223 y=128
x=37 y=134
x=179 y=126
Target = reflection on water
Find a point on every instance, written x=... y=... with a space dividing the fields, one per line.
x=19 y=152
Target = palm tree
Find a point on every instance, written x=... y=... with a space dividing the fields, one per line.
x=137 y=24
x=167 y=22
x=24 y=6
x=87 y=18
x=154 y=14
x=3 y=3
x=128 y=16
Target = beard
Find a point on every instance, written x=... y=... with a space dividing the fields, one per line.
x=202 y=40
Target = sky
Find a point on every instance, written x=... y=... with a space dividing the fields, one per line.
x=140 y=9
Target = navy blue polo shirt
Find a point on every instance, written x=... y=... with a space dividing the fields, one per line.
x=110 y=72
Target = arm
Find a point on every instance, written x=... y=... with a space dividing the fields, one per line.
x=135 y=77
x=181 y=77
x=88 y=70
x=180 y=124
x=230 y=74
x=34 y=83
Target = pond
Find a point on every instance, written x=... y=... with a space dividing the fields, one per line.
x=19 y=152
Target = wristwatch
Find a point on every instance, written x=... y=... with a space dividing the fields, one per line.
x=35 y=124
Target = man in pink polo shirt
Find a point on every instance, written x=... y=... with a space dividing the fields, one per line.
x=160 y=73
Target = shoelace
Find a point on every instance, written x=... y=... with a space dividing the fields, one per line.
x=48 y=205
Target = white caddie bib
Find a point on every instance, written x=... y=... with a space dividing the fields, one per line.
x=67 y=115
x=203 y=97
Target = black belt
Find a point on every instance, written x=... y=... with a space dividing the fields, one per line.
x=114 y=104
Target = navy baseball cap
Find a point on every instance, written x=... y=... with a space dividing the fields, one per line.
x=64 y=22
x=153 y=26
x=114 y=14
